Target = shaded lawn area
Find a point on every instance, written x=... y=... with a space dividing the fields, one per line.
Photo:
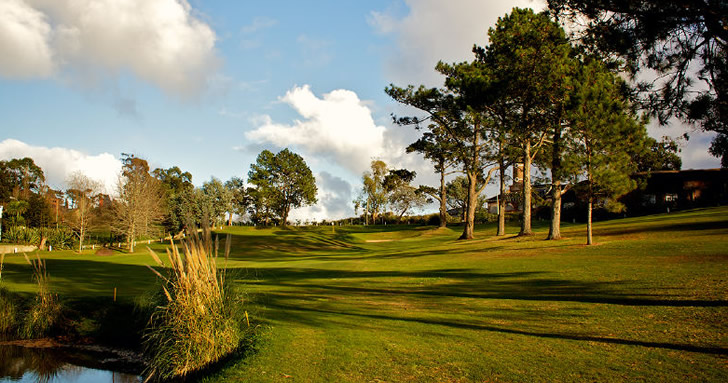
x=648 y=302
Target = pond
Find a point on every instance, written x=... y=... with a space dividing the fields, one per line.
x=67 y=364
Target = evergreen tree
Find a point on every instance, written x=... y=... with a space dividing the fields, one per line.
x=683 y=42
x=529 y=58
x=605 y=133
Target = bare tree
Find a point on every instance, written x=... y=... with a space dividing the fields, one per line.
x=139 y=206
x=83 y=193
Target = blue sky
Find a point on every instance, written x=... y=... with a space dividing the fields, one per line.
x=206 y=85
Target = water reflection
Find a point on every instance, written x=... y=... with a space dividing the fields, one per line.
x=52 y=365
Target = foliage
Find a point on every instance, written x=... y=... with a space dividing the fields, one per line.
x=9 y=309
x=457 y=195
x=530 y=61
x=240 y=199
x=216 y=201
x=181 y=206
x=373 y=197
x=45 y=312
x=458 y=124
x=605 y=133
x=139 y=206
x=22 y=235
x=436 y=146
x=200 y=321
x=83 y=193
x=684 y=42
x=402 y=197
x=61 y=238
x=20 y=178
x=15 y=210
x=283 y=181
x=658 y=155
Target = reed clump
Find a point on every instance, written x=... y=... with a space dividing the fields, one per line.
x=45 y=311
x=9 y=311
x=198 y=321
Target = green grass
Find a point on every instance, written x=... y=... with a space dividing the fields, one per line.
x=648 y=302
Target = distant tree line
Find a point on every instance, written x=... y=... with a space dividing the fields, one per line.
x=147 y=204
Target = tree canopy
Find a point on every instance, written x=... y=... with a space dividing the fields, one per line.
x=283 y=182
x=685 y=43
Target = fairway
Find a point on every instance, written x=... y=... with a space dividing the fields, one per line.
x=648 y=302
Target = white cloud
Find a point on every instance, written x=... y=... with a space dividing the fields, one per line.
x=59 y=163
x=24 y=36
x=338 y=126
x=436 y=30
x=334 y=200
x=89 y=42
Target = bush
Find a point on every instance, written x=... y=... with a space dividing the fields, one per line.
x=45 y=311
x=22 y=235
x=61 y=238
x=199 y=321
x=8 y=311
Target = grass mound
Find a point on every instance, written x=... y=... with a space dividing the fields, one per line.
x=199 y=321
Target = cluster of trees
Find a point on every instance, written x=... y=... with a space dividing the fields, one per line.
x=388 y=188
x=149 y=203
x=530 y=98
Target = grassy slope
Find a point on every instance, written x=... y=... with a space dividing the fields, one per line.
x=647 y=303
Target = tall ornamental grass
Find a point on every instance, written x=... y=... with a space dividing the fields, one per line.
x=199 y=320
x=45 y=312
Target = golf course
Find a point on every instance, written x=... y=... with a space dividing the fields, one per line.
x=647 y=301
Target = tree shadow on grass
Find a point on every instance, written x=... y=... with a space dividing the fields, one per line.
x=473 y=326
x=323 y=298
x=83 y=278
x=467 y=283
x=712 y=227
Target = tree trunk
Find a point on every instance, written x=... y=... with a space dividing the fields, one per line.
x=526 y=222
x=230 y=219
x=131 y=240
x=555 y=227
x=443 y=200
x=501 y=200
x=589 y=222
x=590 y=197
x=472 y=202
x=284 y=222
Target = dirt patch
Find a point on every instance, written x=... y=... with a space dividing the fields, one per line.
x=104 y=251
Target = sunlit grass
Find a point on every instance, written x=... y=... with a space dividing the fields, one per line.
x=647 y=302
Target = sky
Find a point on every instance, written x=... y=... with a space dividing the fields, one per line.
x=207 y=85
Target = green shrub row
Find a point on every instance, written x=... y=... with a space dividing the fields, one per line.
x=61 y=238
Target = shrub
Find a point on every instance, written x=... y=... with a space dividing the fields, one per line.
x=22 y=235
x=45 y=311
x=8 y=311
x=199 y=322
x=61 y=238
